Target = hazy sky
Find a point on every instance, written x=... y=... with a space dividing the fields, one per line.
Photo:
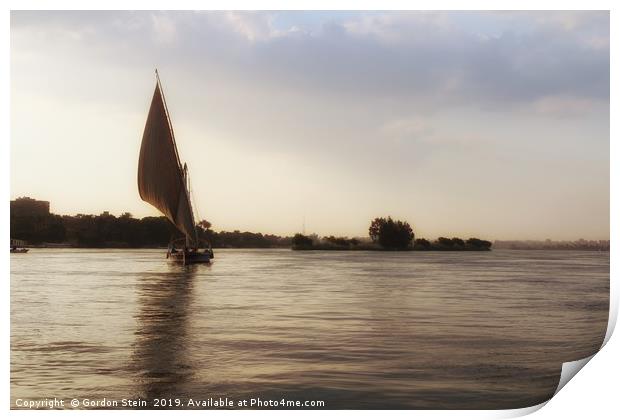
x=471 y=124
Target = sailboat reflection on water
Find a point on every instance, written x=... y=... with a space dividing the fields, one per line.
x=163 y=182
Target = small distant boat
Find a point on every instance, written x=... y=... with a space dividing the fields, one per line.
x=164 y=183
x=18 y=246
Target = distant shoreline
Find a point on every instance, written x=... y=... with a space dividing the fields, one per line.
x=69 y=246
x=374 y=247
x=33 y=226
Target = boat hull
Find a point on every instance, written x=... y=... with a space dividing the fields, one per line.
x=189 y=257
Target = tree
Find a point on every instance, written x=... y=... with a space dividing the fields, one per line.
x=478 y=244
x=444 y=243
x=205 y=225
x=421 y=244
x=342 y=242
x=375 y=228
x=458 y=243
x=301 y=241
x=391 y=234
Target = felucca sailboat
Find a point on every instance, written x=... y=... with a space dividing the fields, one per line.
x=163 y=182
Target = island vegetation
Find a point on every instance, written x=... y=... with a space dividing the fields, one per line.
x=386 y=234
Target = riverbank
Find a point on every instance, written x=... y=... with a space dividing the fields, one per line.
x=129 y=247
x=599 y=246
x=373 y=247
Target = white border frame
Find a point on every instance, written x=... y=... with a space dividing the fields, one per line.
x=593 y=391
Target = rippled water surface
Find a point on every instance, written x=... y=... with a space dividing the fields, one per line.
x=354 y=329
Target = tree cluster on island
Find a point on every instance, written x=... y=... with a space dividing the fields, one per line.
x=389 y=235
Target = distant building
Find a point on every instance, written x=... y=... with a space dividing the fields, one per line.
x=29 y=207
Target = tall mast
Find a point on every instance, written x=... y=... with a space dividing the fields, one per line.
x=163 y=97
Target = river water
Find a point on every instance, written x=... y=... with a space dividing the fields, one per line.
x=351 y=329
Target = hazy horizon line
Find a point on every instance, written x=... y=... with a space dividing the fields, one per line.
x=321 y=235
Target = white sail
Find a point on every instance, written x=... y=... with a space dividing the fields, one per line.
x=161 y=179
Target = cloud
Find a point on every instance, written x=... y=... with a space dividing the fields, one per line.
x=164 y=28
x=561 y=106
x=297 y=82
x=427 y=59
x=403 y=27
x=407 y=129
x=254 y=26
